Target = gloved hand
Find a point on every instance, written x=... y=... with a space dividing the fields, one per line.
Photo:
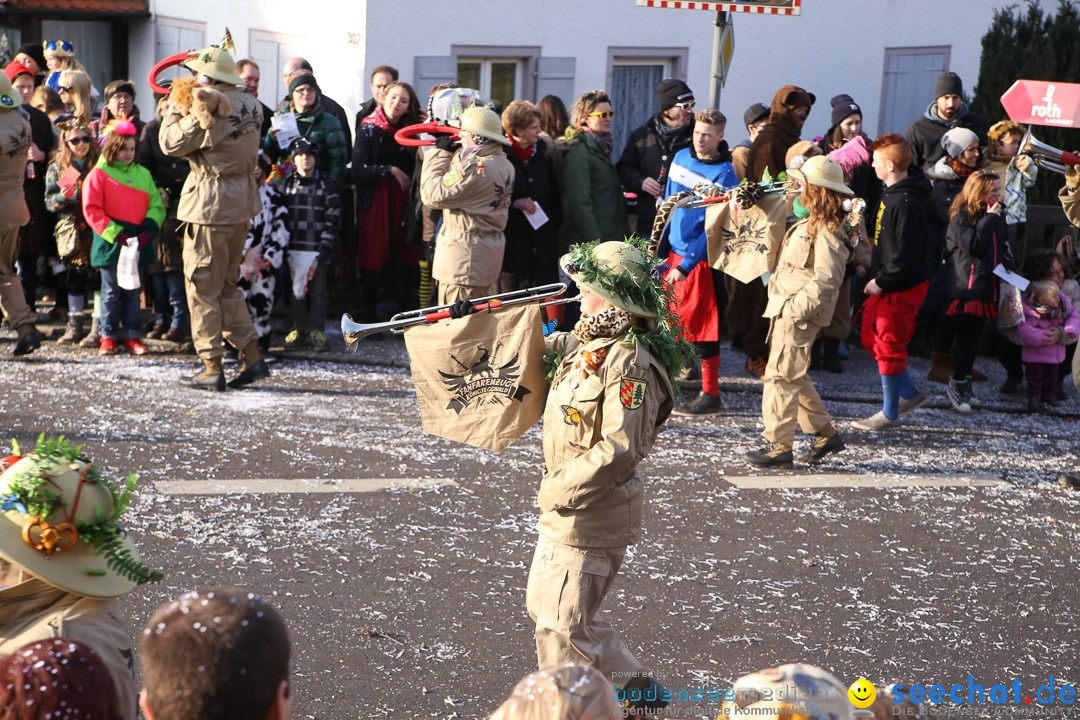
x=1072 y=177
x=121 y=238
x=461 y=308
x=746 y=196
x=447 y=142
x=144 y=239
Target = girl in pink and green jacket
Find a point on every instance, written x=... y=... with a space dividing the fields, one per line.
x=123 y=208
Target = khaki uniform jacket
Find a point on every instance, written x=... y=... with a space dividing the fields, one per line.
x=34 y=610
x=221 y=189
x=597 y=428
x=809 y=271
x=14 y=142
x=474 y=196
x=1069 y=203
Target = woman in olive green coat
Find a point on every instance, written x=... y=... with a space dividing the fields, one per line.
x=594 y=205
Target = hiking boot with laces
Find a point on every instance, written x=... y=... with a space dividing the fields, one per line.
x=771 y=455
x=702 y=404
x=318 y=341
x=822 y=446
x=689 y=378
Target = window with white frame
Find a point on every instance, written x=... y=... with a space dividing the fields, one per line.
x=498 y=79
x=172 y=36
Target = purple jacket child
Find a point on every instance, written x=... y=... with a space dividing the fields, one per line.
x=1033 y=330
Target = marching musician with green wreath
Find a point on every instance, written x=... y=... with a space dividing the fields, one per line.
x=611 y=392
x=64 y=559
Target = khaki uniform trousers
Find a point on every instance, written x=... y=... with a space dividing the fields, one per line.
x=789 y=394
x=212 y=257
x=566 y=587
x=452 y=293
x=12 y=302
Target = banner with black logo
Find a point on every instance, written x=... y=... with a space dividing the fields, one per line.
x=480 y=379
x=745 y=243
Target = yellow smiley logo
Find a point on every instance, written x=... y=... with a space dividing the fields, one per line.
x=861 y=693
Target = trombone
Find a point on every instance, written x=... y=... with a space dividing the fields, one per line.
x=353 y=331
x=1046 y=156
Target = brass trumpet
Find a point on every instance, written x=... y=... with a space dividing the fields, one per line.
x=1046 y=156
x=353 y=331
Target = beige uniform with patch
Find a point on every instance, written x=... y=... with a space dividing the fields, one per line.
x=219 y=199
x=34 y=610
x=474 y=195
x=14 y=142
x=803 y=291
x=598 y=425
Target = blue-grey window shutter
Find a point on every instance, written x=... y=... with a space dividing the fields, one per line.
x=555 y=76
x=430 y=70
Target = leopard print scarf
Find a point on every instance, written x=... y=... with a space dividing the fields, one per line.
x=606 y=323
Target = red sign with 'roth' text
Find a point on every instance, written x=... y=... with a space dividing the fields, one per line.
x=1039 y=102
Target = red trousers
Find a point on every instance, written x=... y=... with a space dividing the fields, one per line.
x=888 y=324
x=695 y=302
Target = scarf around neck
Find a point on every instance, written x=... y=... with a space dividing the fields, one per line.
x=379 y=120
x=603 y=141
x=607 y=323
x=962 y=171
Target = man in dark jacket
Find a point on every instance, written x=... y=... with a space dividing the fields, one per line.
x=787 y=114
x=946 y=112
x=382 y=77
x=899 y=283
x=645 y=160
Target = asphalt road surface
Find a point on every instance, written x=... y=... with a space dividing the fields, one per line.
x=923 y=555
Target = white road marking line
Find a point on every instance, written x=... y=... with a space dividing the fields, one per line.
x=294 y=485
x=766 y=482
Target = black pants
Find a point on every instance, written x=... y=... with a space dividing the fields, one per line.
x=967 y=329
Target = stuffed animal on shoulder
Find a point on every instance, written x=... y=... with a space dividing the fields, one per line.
x=206 y=104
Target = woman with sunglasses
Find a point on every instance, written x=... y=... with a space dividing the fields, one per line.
x=63 y=196
x=595 y=206
x=647 y=156
x=74 y=88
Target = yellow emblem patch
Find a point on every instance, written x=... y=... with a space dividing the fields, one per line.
x=451 y=178
x=571 y=416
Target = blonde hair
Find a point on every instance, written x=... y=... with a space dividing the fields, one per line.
x=585 y=104
x=79 y=83
x=565 y=691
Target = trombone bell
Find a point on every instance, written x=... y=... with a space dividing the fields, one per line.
x=1046 y=156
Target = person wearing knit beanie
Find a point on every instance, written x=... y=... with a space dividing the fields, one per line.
x=302 y=78
x=948 y=83
x=646 y=157
x=32 y=56
x=671 y=92
x=957 y=140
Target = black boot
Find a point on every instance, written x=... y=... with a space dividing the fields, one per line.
x=253 y=369
x=212 y=377
x=29 y=341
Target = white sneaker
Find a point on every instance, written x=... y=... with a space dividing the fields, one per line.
x=956 y=397
x=876 y=422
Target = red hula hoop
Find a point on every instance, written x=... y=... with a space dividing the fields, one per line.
x=405 y=136
x=164 y=65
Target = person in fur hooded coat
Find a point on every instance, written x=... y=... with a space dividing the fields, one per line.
x=787 y=114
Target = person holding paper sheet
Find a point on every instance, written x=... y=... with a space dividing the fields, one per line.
x=123 y=208
x=314 y=219
x=976 y=242
x=531 y=254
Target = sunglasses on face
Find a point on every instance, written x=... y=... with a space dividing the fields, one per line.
x=79 y=140
x=605 y=114
x=61 y=88
x=685 y=105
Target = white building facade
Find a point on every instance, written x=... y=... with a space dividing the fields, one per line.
x=884 y=53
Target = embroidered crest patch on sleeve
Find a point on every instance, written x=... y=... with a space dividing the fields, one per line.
x=632 y=392
x=451 y=178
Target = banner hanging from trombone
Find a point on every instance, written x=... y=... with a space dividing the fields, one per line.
x=480 y=379
x=744 y=243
